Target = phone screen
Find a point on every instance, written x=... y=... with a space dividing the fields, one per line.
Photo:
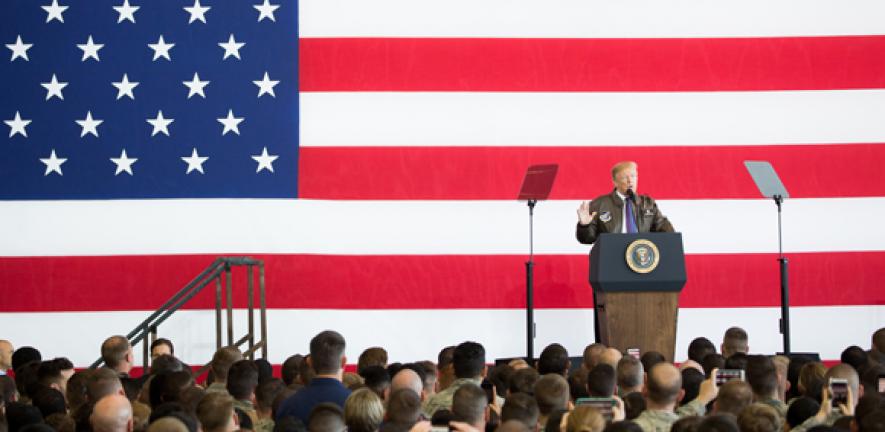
x=633 y=352
x=839 y=391
x=882 y=384
x=603 y=405
x=489 y=389
x=725 y=375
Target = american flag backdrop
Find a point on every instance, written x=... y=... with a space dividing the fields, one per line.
x=371 y=152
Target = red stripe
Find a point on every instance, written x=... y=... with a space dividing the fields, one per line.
x=477 y=173
x=426 y=282
x=693 y=64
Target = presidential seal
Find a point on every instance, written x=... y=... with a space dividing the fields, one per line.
x=642 y=256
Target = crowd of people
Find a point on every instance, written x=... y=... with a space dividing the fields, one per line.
x=716 y=390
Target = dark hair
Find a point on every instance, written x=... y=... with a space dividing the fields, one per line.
x=700 y=348
x=404 y=406
x=49 y=401
x=25 y=355
x=326 y=417
x=651 y=358
x=691 y=383
x=734 y=396
x=523 y=381
x=577 y=385
x=19 y=415
x=469 y=359
x=469 y=403
x=686 y=424
x=242 y=378
x=554 y=419
x=500 y=377
x=634 y=405
x=855 y=356
x=163 y=341
x=222 y=360
x=26 y=378
x=374 y=356
x=174 y=410
x=326 y=351
x=761 y=375
x=736 y=361
x=601 y=381
x=623 y=426
x=265 y=370
x=521 y=407
x=267 y=391
x=629 y=372
x=166 y=363
x=551 y=393
x=718 y=423
x=712 y=361
x=445 y=357
x=554 y=359
x=290 y=368
x=800 y=410
x=114 y=350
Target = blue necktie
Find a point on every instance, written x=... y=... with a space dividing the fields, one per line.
x=631 y=221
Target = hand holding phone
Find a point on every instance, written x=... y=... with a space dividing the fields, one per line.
x=725 y=375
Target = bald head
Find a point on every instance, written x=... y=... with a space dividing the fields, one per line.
x=112 y=413
x=664 y=384
x=408 y=379
x=610 y=357
x=6 y=350
x=848 y=373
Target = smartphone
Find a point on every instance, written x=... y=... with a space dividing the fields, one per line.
x=439 y=429
x=489 y=388
x=725 y=375
x=838 y=391
x=633 y=352
x=882 y=385
x=603 y=405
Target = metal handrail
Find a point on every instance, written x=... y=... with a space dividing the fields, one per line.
x=213 y=272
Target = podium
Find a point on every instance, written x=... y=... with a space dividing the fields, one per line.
x=638 y=307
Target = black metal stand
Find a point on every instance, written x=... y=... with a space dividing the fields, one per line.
x=784 y=273
x=529 y=289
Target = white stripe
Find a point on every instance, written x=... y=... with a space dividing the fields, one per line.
x=588 y=18
x=591 y=119
x=411 y=335
x=149 y=227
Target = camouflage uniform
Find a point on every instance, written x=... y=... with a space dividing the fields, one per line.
x=661 y=421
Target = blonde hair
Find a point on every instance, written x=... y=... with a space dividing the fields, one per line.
x=363 y=411
x=585 y=419
x=621 y=166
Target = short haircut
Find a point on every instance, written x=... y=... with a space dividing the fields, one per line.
x=215 y=410
x=760 y=417
x=553 y=359
x=577 y=385
x=430 y=375
x=61 y=423
x=469 y=359
x=712 y=361
x=19 y=415
x=111 y=413
x=163 y=341
x=811 y=379
x=326 y=352
x=469 y=404
x=50 y=371
x=514 y=426
x=551 y=393
x=363 y=411
x=736 y=361
x=326 y=417
x=800 y=410
x=521 y=407
x=847 y=373
x=290 y=368
x=854 y=356
x=601 y=381
x=691 y=383
x=634 y=405
x=585 y=419
x=591 y=355
x=223 y=359
x=735 y=340
x=242 y=378
x=719 y=423
x=650 y=358
x=169 y=386
x=623 y=426
x=523 y=381
x=374 y=356
x=686 y=424
x=700 y=348
x=75 y=393
x=621 y=166
x=170 y=424
x=166 y=363
x=761 y=375
x=25 y=355
x=102 y=382
x=267 y=391
x=734 y=396
x=445 y=357
x=878 y=340
x=376 y=379
x=664 y=383
x=114 y=350
x=403 y=406
x=629 y=372
x=49 y=401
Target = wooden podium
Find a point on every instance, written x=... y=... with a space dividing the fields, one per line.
x=638 y=307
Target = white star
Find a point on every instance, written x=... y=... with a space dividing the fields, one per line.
x=160 y=124
x=266 y=10
x=266 y=85
x=161 y=49
x=124 y=87
x=196 y=86
x=124 y=163
x=265 y=161
x=54 y=11
x=19 y=49
x=17 y=125
x=231 y=47
x=90 y=49
x=231 y=123
x=195 y=162
x=53 y=163
x=197 y=12
x=126 y=12
x=89 y=125
x=53 y=88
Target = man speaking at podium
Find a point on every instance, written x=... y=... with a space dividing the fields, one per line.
x=608 y=213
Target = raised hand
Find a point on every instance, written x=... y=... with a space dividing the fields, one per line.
x=584 y=215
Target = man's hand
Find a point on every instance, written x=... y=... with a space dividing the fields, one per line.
x=584 y=215
x=709 y=390
x=462 y=427
x=619 y=413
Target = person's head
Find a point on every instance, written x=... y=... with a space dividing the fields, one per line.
x=591 y=355
x=19 y=415
x=664 y=385
x=403 y=407
x=691 y=383
x=762 y=376
x=551 y=394
x=6 y=350
x=523 y=381
x=112 y=413
x=216 y=413
x=611 y=357
x=266 y=393
x=630 y=375
x=170 y=424
x=291 y=368
x=162 y=346
x=553 y=359
x=102 y=382
x=625 y=176
x=221 y=362
x=623 y=426
x=327 y=353
x=854 y=356
x=469 y=360
x=470 y=405
x=585 y=419
x=800 y=410
x=374 y=356
x=634 y=405
x=49 y=401
x=650 y=358
x=55 y=373
x=686 y=424
x=846 y=372
x=242 y=378
x=736 y=361
x=734 y=396
x=712 y=361
x=521 y=407
x=877 y=341
x=811 y=380
x=446 y=369
x=61 y=423
x=76 y=391
x=408 y=378
x=166 y=363
x=169 y=386
x=116 y=352
x=430 y=377
x=601 y=381
x=759 y=417
x=718 y=423
x=25 y=355
x=326 y=417
x=735 y=340
x=377 y=380
x=363 y=411
x=700 y=348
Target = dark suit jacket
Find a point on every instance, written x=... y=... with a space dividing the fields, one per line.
x=608 y=219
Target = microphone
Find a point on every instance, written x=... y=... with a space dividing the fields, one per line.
x=630 y=194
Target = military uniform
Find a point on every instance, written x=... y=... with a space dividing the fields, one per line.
x=661 y=421
x=609 y=217
x=443 y=399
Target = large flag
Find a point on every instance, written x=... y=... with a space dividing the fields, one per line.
x=371 y=153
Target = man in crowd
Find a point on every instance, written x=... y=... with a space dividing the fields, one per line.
x=763 y=379
x=734 y=341
x=469 y=365
x=219 y=367
x=327 y=359
x=116 y=352
x=470 y=406
x=630 y=375
x=112 y=413
x=663 y=392
x=6 y=350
